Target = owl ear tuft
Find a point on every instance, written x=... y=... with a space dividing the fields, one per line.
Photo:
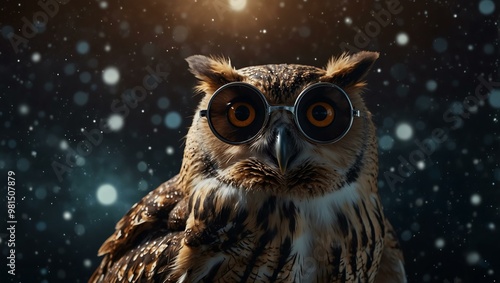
x=350 y=69
x=213 y=72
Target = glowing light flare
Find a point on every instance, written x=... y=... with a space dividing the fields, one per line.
x=404 y=131
x=237 y=5
x=111 y=75
x=106 y=194
x=115 y=122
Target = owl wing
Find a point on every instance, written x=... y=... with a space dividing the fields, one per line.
x=391 y=269
x=146 y=239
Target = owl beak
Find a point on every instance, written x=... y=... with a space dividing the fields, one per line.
x=284 y=148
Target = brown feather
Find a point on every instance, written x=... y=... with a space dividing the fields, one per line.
x=136 y=232
x=213 y=72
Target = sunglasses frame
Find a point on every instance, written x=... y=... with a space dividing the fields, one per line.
x=271 y=108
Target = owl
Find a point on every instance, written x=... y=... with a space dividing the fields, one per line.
x=278 y=183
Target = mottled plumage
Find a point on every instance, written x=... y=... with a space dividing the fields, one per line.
x=278 y=208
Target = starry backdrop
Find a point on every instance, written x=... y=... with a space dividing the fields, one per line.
x=68 y=69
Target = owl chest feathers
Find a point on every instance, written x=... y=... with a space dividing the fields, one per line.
x=233 y=235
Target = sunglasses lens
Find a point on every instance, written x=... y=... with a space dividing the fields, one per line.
x=236 y=113
x=324 y=112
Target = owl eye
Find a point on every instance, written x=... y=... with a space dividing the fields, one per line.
x=236 y=112
x=320 y=114
x=324 y=112
x=241 y=114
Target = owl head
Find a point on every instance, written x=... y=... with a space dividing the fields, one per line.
x=285 y=129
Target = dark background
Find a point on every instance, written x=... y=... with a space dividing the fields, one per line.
x=446 y=212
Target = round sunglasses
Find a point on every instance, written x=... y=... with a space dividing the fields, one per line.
x=238 y=113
